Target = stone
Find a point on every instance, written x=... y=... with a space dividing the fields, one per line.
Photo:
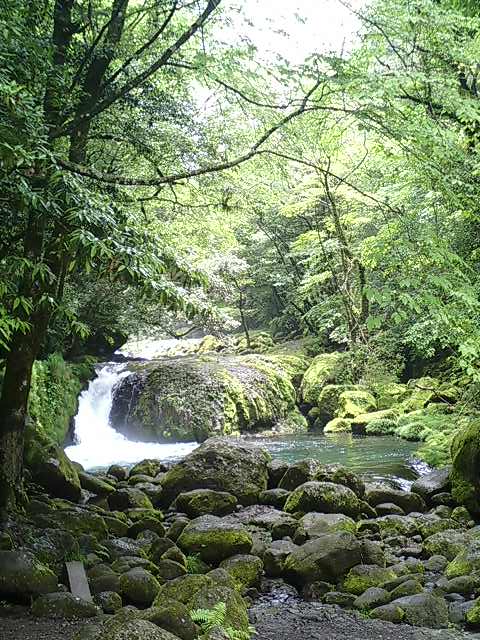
x=388 y=509
x=371 y=598
x=199 y=502
x=109 y=601
x=363 y=576
x=323 y=497
x=276 y=470
x=23 y=576
x=56 y=473
x=340 y=598
x=388 y=613
x=326 y=368
x=423 y=610
x=169 y=570
x=214 y=539
x=95 y=485
x=436 y=563
x=149 y=523
x=326 y=558
x=118 y=472
x=406 y=588
x=466 y=561
x=277 y=522
x=275 y=556
x=121 y=628
x=464 y=477
x=235 y=467
x=63 y=605
x=118 y=547
x=274 y=498
x=77 y=521
x=437 y=481
x=298 y=473
x=173 y=617
x=313 y=525
x=338 y=425
x=355 y=402
x=246 y=570
x=139 y=587
x=338 y=474
x=405 y=500
x=129 y=498
x=448 y=543
x=316 y=591
x=149 y=467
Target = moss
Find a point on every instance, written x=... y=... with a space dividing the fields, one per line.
x=338 y=425
x=364 y=419
x=391 y=394
x=381 y=427
x=362 y=577
x=216 y=544
x=473 y=614
x=466 y=463
x=327 y=368
x=355 y=402
x=245 y=570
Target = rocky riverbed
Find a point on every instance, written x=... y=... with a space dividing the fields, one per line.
x=285 y=547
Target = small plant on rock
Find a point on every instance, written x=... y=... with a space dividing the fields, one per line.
x=209 y=619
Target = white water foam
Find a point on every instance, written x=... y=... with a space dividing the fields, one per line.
x=98 y=444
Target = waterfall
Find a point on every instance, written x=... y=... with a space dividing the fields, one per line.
x=98 y=444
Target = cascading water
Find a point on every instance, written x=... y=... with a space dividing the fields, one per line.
x=98 y=444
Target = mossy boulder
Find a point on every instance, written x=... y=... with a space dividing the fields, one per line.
x=245 y=570
x=139 y=587
x=339 y=474
x=391 y=395
x=423 y=610
x=328 y=404
x=326 y=558
x=76 y=520
x=236 y=467
x=326 y=368
x=338 y=425
x=214 y=539
x=363 y=576
x=466 y=561
x=298 y=473
x=465 y=474
x=448 y=543
x=236 y=615
x=94 y=484
x=201 y=502
x=194 y=398
x=109 y=601
x=124 y=626
x=63 y=605
x=355 y=402
x=323 y=497
x=23 y=576
x=129 y=498
x=314 y=525
x=51 y=468
x=378 y=494
x=173 y=617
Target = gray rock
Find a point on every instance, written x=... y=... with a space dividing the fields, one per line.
x=23 y=576
x=424 y=610
x=139 y=587
x=109 y=601
x=274 y=498
x=437 y=481
x=323 y=497
x=409 y=502
x=275 y=556
x=199 y=502
x=214 y=539
x=371 y=598
x=63 y=605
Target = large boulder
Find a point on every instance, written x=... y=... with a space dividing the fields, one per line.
x=23 y=576
x=194 y=398
x=313 y=525
x=121 y=627
x=363 y=576
x=379 y=494
x=56 y=473
x=139 y=587
x=323 y=497
x=297 y=473
x=326 y=558
x=465 y=475
x=423 y=610
x=437 y=481
x=214 y=539
x=355 y=402
x=222 y=465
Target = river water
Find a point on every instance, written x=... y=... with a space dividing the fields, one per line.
x=98 y=445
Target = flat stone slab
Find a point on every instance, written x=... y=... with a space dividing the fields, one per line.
x=78 y=580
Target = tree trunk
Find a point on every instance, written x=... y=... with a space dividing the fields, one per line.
x=241 y=303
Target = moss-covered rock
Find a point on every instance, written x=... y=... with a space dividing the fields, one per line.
x=323 y=497
x=23 y=576
x=326 y=558
x=201 y=502
x=339 y=474
x=214 y=539
x=355 y=402
x=363 y=576
x=109 y=601
x=173 y=617
x=298 y=473
x=466 y=561
x=245 y=570
x=327 y=368
x=124 y=626
x=448 y=543
x=314 y=525
x=63 y=605
x=129 y=498
x=139 y=587
x=76 y=520
x=222 y=465
x=465 y=476
x=423 y=610
x=328 y=404
x=194 y=398
x=338 y=425
x=51 y=469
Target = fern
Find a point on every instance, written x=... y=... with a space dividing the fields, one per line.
x=208 y=619
x=195 y=565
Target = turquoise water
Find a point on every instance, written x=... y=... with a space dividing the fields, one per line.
x=375 y=457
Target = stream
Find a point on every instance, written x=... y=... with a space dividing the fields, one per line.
x=98 y=445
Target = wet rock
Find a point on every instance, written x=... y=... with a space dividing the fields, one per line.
x=146 y=524
x=199 y=502
x=298 y=473
x=222 y=465
x=277 y=522
x=174 y=617
x=77 y=521
x=149 y=467
x=119 y=547
x=338 y=474
x=63 y=605
x=214 y=539
x=409 y=502
x=326 y=558
x=95 y=485
x=23 y=576
x=118 y=472
x=437 y=481
x=52 y=470
x=323 y=497
x=139 y=587
x=388 y=508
